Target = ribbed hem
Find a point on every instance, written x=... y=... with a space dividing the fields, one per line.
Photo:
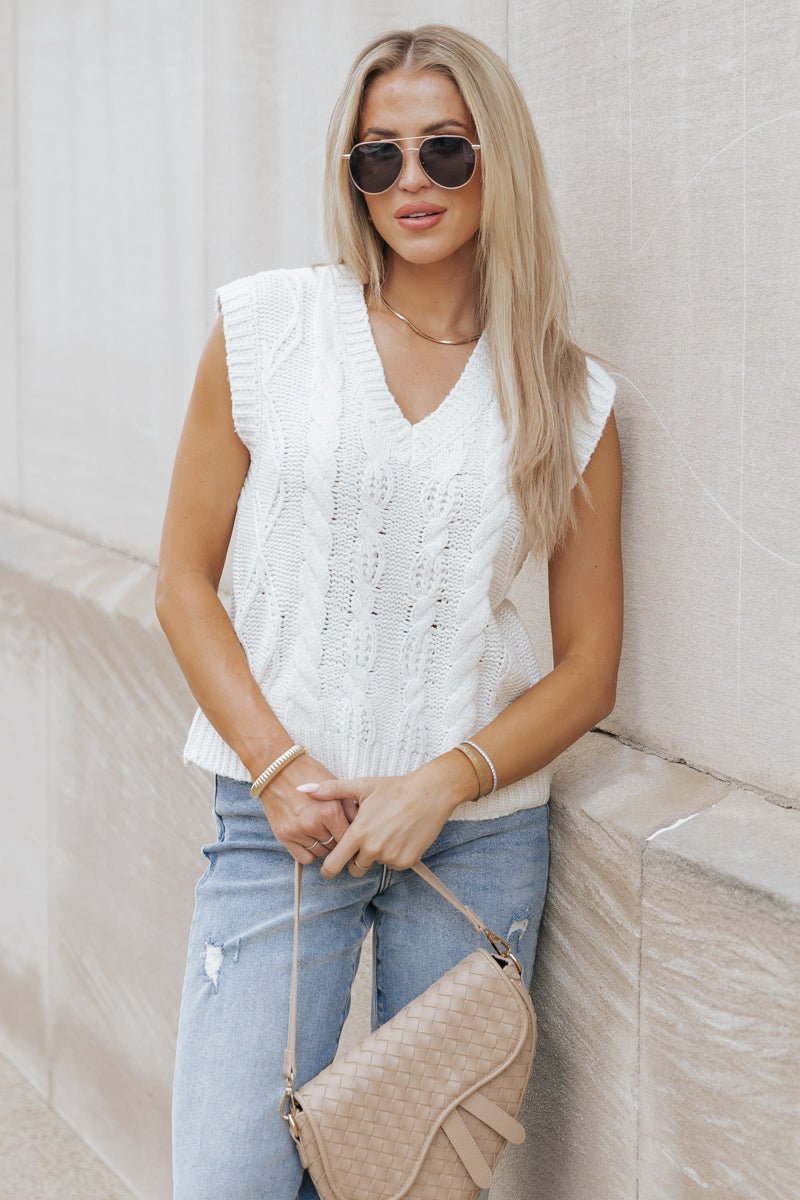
x=205 y=748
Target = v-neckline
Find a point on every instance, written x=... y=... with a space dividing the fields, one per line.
x=465 y=399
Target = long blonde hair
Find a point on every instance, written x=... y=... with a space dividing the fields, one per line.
x=524 y=299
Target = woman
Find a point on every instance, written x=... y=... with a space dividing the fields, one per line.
x=392 y=433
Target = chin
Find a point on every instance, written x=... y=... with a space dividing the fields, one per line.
x=421 y=255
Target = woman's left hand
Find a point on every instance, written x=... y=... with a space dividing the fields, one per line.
x=398 y=817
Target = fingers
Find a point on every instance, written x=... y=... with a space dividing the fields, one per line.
x=333 y=818
x=359 y=866
x=316 y=829
x=350 y=792
x=319 y=845
x=298 y=851
x=350 y=809
x=347 y=851
x=336 y=789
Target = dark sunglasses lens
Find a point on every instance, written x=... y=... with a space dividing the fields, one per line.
x=374 y=166
x=449 y=161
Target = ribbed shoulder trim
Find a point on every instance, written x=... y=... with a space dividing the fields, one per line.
x=601 y=389
x=236 y=302
x=261 y=323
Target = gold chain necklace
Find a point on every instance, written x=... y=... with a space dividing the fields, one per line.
x=441 y=341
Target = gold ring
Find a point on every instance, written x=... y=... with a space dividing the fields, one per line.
x=330 y=839
x=356 y=863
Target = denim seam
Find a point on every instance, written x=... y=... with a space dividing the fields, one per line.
x=386 y=879
x=376 y=966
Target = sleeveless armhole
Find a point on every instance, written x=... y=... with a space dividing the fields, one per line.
x=601 y=389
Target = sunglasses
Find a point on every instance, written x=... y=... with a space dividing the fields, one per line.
x=447 y=160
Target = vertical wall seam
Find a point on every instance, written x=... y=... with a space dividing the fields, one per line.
x=630 y=130
x=744 y=368
x=15 y=238
x=49 y=801
x=637 y=1087
x=204 y=152
x=637 y=1083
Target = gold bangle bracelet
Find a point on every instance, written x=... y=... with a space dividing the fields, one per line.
x=487 y=760
x=274 y=768
x=479 y=767
x=484 y=770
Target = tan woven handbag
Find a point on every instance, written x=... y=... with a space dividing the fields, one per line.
x=423 y=1107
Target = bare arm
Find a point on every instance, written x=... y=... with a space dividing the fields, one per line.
x=210 y=466
x=586 y=607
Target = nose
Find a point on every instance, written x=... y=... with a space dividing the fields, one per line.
x=411 y=174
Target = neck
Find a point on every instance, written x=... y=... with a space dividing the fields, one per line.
x=439 y=297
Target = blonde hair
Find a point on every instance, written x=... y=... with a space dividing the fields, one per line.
x=524 y=300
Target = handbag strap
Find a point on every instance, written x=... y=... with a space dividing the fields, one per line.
x=497 y=943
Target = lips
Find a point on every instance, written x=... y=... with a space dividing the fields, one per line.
x=409 y=210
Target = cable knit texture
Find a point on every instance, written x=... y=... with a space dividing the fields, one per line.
x=371 y=556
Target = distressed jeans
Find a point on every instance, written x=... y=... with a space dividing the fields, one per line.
x=228 y=1137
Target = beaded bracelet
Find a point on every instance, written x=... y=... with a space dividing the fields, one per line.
x=274 y=769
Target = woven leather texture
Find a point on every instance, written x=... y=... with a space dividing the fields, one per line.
x=375 y=1124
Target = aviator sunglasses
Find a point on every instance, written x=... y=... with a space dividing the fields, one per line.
x=448 y=161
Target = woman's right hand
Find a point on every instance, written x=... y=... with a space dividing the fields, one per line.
x=297 y=819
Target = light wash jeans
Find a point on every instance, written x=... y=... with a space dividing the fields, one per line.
x=229 y=1141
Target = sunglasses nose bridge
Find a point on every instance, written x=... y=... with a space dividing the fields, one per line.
x=420 y=175
x=401 y=174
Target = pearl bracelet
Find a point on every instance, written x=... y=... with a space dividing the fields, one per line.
x=274 y=769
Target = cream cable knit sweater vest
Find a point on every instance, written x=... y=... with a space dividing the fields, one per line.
x=371 y=556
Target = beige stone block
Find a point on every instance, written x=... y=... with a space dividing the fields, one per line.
x=9 y=413
x=31 y=559
x=571 y=63
x=720 y=1021
x=769 y=622
x=127 y=827
x=580 y=1112
x=107 y=827
x=666 y=136
x=110 y=240
x=773 y=82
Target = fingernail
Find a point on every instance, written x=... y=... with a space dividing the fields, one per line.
x=308 y=787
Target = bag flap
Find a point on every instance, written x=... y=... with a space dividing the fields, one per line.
x=427 y=1059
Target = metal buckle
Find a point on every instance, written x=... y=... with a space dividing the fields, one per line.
x=288 y=1115
x=497 y=942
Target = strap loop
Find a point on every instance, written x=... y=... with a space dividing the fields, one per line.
x=495 y=1117
x=467 y=1149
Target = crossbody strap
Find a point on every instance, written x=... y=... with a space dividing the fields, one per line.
x=498 y=944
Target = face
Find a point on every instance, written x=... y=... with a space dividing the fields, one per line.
x=402 y=104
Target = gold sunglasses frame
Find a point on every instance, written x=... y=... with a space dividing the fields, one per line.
x=422 y=138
